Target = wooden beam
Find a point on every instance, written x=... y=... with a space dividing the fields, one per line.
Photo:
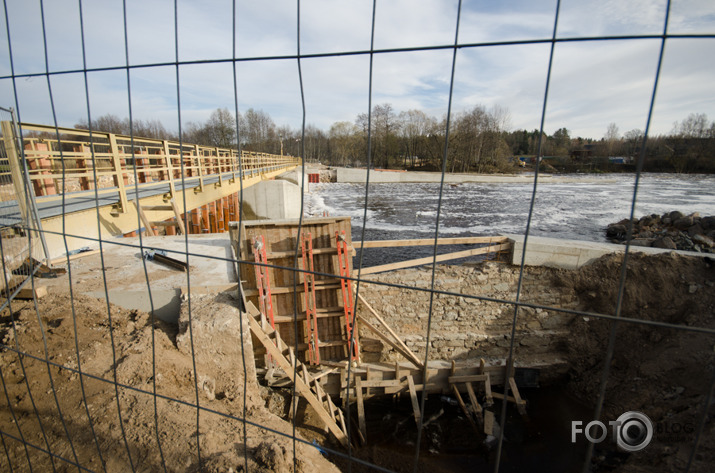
x=387 y=340
x=300 y=385
x=177 y=213
x=476 y=407
x=62 y=259
x=429 y=259
x=413 y=397
x=461 y=403
x=360 y=408
x=428 y=242
x=145 y=221
x=407 y=352
x=28 y=292
x=467 y=379
x=489 y=423
x=520 y=403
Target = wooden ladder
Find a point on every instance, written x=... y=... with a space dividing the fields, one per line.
x=305 y=385
x=171 y=206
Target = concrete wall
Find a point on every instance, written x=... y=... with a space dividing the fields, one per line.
x=277 y=199
x=352 y=175
x=571 y=254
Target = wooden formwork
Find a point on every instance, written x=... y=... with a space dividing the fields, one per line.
x=282 y=241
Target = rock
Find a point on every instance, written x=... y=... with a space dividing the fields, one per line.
x=641 y=242
x=695 y=230
x=675 y=215
x=683 y=223
x=704 y=241
x=708 y=223
x=665 y=242
x=616 y=231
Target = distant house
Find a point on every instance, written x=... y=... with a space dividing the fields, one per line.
x=585 y=152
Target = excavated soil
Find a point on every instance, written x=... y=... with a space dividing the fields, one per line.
x=152 y=435
x=663 y=372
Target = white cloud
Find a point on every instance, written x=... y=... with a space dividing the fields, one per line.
x=593 y=83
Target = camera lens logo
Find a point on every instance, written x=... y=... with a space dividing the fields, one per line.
x=634 y=431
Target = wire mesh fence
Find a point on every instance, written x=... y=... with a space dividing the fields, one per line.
x=95 y=383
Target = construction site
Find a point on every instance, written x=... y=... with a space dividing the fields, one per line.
x=147 y=326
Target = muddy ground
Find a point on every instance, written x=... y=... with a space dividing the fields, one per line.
x=662 y=372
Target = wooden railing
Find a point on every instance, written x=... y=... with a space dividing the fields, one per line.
x=109 y=162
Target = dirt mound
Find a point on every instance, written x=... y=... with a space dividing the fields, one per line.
x=662 y=372
x=160 y=432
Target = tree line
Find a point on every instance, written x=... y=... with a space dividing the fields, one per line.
x=480 y=141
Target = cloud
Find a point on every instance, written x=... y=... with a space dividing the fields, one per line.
x=593 y=83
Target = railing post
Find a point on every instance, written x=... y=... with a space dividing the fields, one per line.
x=201 y=171
x=218 y=161
x=169 y=169
x=118 y=173
x=13 y=156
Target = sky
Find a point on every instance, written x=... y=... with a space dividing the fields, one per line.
x=593 y=83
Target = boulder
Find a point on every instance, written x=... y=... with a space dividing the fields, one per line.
x=683 y=223
x=675 y=215
x=665 y=242
x=704 y=241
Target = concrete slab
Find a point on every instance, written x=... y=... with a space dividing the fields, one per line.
x=210 y=265
x=572 y=254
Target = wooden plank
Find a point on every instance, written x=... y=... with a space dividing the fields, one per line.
x=413 y=397
x=291 y=254
x=520 y=403
x=300 y=385
x=499 y=395
x=428 y=242
x=408 y=353
x=455 y=391
x=28 y=293
x=360 y=408
x=157 y=208
x=467 y=379
x=62 y=259
x=439 y=258
x=488 y=388
x=15 y=163
x=289 y=289
x=476 y=407
x=489 y=423
x=144 y=219
x=177 y=213
x=387 y=340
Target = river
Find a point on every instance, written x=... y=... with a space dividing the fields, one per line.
x=569 y=210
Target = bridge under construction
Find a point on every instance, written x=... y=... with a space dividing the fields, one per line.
x=128 y=184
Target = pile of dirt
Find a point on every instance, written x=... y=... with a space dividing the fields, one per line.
x=47 y=405
x=663 y=372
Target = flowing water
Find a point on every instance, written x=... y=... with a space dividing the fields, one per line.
x=572 y=210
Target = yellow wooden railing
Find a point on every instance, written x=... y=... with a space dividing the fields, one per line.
x=111 y=162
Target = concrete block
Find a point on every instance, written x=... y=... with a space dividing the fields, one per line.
x=272 y=200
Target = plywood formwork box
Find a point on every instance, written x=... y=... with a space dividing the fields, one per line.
x=286 y=279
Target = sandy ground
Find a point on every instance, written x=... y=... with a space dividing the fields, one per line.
x=151 y=435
